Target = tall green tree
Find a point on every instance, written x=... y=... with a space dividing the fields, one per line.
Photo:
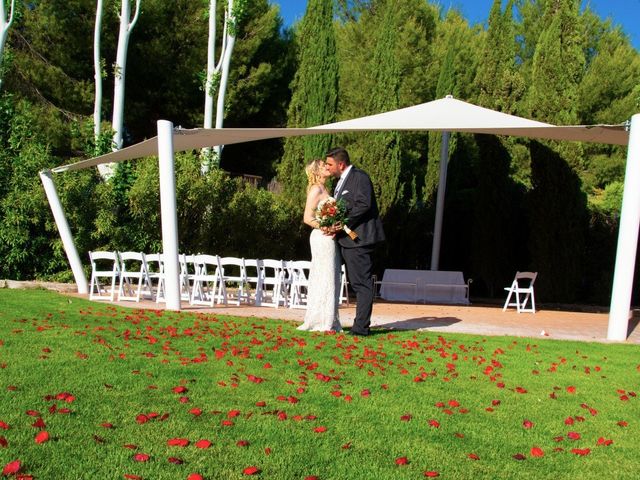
x=314 y=98
x=381 y=153
x=495 y=221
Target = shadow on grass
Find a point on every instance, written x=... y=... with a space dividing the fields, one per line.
x=419 y=323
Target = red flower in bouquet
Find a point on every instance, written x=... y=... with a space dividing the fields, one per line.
x=333 y=213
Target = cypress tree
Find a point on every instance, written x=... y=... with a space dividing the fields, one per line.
x=381 y=155
x=495 y=222
x=314 y=96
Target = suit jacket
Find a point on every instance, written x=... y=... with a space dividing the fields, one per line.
x=362 y=211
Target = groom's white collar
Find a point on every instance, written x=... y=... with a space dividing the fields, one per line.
x=343 y=178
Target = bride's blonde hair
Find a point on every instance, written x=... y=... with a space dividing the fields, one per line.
x=314 y=173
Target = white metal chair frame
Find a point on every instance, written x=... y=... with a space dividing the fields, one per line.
x=273 y=292
x=155 y=269
x=96 y=289
x=128 y=290
x=299 y=282
x=253 y=280
x=344 y=286
x=208 y=287
x=517 y=288
x=237 y=279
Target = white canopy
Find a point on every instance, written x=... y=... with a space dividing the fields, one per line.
x=444 y=115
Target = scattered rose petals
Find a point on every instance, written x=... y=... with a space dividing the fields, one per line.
x=203 y=444
x=251 y=470
x=537 y=452
x=11 y=468
x=141 y=457
x=41 y=436
x=431 y=474
x=402 y=461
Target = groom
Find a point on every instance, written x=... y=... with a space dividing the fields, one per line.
x=355 y=188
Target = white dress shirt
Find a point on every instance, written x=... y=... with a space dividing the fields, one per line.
x=342 y=179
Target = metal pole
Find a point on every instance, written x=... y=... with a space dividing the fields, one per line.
x=65 y=232
x=169 y=214
x=619 y=312
x=442 y=188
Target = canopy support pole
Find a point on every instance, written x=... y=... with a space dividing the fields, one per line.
x=619 y=312
x=64 y=230
x=168 y=214
x=442 y=188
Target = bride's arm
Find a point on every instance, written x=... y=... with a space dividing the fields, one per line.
x=313 y=197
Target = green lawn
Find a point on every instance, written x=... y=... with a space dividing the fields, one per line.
x=115 y=388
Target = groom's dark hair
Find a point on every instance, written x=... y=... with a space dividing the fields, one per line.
x=339 y=154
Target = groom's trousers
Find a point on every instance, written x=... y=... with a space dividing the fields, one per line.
x=359 y=262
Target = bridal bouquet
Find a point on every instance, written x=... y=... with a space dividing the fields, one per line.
x=331 y=212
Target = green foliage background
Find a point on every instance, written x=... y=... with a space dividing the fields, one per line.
x=511 y=204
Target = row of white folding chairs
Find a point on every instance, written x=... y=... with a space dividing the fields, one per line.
x=121 y=276
x=263 y=282
x=203 y=279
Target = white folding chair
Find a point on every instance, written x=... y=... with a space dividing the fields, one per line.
x=253 y=280
x=273 y=292
x=107 y=266
x=188 y=270
x=155 y=269
x=522 y=285
x=344 y=286
x=208 y=286
x=134 y=276
x=299 y=275
x=234 y=275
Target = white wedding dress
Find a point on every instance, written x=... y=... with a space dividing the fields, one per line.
x=323 y=294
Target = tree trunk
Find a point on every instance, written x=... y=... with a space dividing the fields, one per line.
x=97 y=68
x=5 y=24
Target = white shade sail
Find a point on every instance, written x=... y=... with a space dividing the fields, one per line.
x=445 y=115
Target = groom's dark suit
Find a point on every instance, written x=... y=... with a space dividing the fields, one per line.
x=362 y=213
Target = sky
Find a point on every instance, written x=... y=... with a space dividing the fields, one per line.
x=623 y=12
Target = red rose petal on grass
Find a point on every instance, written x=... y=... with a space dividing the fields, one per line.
x=261 y=404
x=203 y=444
x=527 y=424
x=519 y=456
x=312 y=477
x=39 y=423
x=537 y=452
x=434 y=423
x=571 y=389
x=233 y=413
x=128 y=476
x=573 y=435
x=142 y=418
x=180 y=389
x=473 y=456
x=431 y=474
x=196 y=412
x=581 y=451
x=130 y=446
x=406 y=417
x=4 y=426
x=267 y=451
x=3 y=442
x=622 y=423
x=41 y=436
x=141 y=457
x=178 y=442
x=242 y=443
x=251 y=471
x=11 y=468
x=605 y=442
x=175 y=460
x=195 y=476
x=402 y=461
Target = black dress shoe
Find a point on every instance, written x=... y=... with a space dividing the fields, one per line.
x=357 y=334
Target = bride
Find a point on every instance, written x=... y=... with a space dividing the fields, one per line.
x=324 y=276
